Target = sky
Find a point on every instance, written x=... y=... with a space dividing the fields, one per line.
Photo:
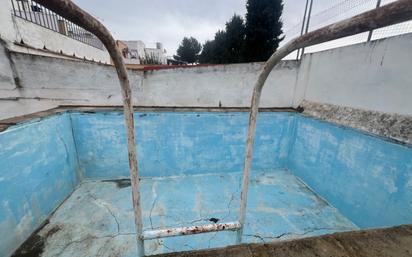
x=168 y=21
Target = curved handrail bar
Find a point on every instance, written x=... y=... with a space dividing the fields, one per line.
x=387 y=15
x=69 y=10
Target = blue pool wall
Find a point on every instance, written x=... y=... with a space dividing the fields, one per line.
x=367 y=178
x=38 y=164
x=171 y=144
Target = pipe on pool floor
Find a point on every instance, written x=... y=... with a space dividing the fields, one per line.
x=184 y=231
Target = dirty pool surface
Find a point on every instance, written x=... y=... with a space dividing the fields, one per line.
x=97 y=219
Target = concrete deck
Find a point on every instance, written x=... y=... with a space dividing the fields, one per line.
x=391 y=242
x=97 y=220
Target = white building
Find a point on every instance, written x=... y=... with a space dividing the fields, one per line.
x=138 y=53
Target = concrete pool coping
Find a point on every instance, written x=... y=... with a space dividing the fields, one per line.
x=392 y=127
x=6 y=123
x=395 y=241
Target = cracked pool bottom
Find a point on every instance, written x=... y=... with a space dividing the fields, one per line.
x=97 y=220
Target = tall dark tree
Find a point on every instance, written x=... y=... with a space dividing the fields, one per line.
x=263 y=29
x=189 y=50
x=214 y=51
x=208 y=52
x=227 y=45
x=220 y=47
x=235 y=36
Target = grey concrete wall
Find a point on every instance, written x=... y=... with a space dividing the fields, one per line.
x=7 y=30
x=6 y=74
x=39 y=37
x=222 y=85
x=372 y=76
x=49 y=82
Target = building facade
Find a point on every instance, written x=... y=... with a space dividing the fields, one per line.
x=136 y=53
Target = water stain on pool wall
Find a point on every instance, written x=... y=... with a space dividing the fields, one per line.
x=38 y=172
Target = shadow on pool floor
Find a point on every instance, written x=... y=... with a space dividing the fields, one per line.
x=97 y=219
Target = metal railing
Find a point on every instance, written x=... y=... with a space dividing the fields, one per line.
x=316 y=16
x=34 y=12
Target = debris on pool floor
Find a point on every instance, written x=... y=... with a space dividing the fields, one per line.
x=97 y=219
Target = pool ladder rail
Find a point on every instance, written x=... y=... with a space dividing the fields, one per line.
x=390 y=14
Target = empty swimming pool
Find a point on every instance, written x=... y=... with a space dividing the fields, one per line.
x=67 y=175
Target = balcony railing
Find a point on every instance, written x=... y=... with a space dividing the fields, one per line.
x=32 y=11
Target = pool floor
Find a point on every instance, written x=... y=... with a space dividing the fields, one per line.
x=97 y=219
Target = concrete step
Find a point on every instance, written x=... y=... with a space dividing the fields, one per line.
x=390 y=242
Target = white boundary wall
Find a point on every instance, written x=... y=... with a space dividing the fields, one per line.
x=370 y=76
x=14 y=29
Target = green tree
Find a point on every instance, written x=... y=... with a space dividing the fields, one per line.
x=214 y=51
x=220 y=47
x=263 y=29
x=189 y=50
x=208 y=52
x=234 y=42
x=227 y=44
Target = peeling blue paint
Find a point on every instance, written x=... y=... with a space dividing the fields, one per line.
x=367 y=178
x=38 y=164
x=340 y=164
x=171 y=144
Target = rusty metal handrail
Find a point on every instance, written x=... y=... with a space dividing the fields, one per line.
x=69 y=10
x=387 y=15
x=384 y=16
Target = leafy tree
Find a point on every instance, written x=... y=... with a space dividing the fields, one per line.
x=263 y=29
x=235 y=36
x=188 y=50
x=214 y=51
x=208 y=52
x=220 y=47
x=254 y=41
x=227 y=45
